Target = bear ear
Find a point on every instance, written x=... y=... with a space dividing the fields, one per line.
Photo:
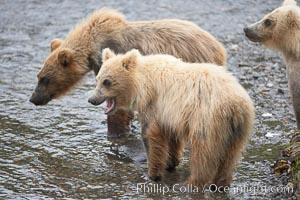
x=55 y=43
x=107 y=54
x=130 y=59
x=65 y=56
x=289 y=3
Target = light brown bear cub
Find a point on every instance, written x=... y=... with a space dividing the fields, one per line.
x=280 y=30
x=180 y=102
x=71 y=59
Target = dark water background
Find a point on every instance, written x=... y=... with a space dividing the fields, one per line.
x=60 y=151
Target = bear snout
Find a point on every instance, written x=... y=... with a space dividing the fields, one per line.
x=32 y=99
x=38 y=99
x=251 y=34
x=96 y=100
x=92 y=100
x=248 y=32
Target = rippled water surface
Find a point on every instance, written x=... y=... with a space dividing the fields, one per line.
x=60 y=151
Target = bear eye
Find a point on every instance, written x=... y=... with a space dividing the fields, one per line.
x=106 y=83
x=44 y=80
x=267 y=23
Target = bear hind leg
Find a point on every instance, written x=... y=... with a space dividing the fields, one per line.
x=240 y=132
x=224 y=174
x=203 y=164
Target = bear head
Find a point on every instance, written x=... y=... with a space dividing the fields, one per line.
x=116 y=81
x=61 y=71
x=278 y=29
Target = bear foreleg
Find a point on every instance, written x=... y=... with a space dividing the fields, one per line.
x=119 y=123
x=157 y=152
x=176 y=148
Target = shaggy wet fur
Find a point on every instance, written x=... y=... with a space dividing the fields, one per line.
x=180 y=102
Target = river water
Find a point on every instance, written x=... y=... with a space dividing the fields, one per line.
x=60 y=151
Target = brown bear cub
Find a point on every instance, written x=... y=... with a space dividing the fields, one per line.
x=280 y=30
x=180 y=102
x=71 y=59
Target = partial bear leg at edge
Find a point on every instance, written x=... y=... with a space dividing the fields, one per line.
x=296 y=106
x=119 y=123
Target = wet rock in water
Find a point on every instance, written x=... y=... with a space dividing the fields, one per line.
x=243 y=78
x=243 y=65
x=267 y=115
x=234 y=47
x=256 y=75
x=270 y=85
x=280 y=91
x=269 y=135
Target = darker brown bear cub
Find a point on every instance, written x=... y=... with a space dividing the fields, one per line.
x=180 y=102
x=80 y=52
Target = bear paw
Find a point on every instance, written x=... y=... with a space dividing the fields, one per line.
x=154 y=175
x=155 y=178
x=173 y=163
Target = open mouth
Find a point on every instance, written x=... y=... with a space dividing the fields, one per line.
x=110 y=105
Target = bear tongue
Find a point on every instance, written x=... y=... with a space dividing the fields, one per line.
x=110 y=105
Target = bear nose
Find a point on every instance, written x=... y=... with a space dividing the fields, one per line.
x=246 y=29
x=32 y=99
x=92 y=100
